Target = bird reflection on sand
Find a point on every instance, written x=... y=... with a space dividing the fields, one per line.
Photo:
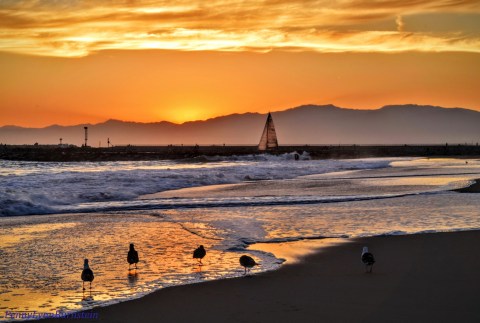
x=198 y=268
x=199 y=275
x=132 y=277
x=87 y=298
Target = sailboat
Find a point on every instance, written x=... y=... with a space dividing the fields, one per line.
x=268 y=141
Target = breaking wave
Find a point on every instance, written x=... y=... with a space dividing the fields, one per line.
x=42 y=188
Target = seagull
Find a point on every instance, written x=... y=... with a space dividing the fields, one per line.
x=199 y=253
x=132 y=256
x=87 y=274
x=367 y=259
x=247 y=262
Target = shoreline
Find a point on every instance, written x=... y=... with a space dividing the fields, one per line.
x=414 y=279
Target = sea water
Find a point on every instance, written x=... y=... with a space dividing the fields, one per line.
x=53 y=215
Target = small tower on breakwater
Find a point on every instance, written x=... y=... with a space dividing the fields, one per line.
x=86 y=136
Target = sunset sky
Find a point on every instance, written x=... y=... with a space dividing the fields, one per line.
x=71 y=62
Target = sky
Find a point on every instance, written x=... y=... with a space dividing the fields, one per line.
x=71 y=62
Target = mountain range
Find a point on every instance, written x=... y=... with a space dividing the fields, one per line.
x=307 y=124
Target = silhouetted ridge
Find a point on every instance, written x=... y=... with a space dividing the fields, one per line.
x=307 y=124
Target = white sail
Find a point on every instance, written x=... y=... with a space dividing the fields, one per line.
x=269 y=136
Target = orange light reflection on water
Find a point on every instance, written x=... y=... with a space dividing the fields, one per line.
x=42 y=271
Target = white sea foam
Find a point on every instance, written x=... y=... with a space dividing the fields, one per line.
x=40 y=188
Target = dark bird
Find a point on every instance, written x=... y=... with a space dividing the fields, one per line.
x=199 y=253
x=247 y=262
x=87 y=274
x=367 y=259
x=132 y=256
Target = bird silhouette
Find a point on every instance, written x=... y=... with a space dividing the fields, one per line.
x=87 y=274
x=367 y=259
x=132 y=256
x=247 y=262
x=199 y=253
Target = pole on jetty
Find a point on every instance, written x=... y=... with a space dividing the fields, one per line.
x=61 y=141
x=108 y=142
x=86 y=135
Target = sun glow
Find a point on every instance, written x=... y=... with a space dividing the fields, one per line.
x=184 y=114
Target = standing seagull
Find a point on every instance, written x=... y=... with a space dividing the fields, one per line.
x=199 y=253
x=87 y=274
x=132 y=256
x=247 y=262
x=367 y=259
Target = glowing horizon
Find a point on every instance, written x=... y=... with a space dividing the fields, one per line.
x=73 y=62
x=100 y=121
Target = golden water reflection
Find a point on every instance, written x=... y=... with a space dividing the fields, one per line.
x=12 y=235
x=42 y=271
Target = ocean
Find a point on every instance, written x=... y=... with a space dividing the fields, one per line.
x=54 y=215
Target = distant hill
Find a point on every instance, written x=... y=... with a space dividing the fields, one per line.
x=308 y=124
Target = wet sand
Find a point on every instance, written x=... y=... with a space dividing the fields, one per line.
x=417 y=278
x=474 y=188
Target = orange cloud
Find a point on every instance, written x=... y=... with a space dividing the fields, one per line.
x=70 y=29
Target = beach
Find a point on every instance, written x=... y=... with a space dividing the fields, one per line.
x=305 y=222
x=417 y=278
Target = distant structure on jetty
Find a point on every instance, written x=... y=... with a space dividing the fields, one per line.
x=86 y=136
x=268 y=141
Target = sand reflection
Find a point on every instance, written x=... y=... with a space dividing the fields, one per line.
x=295 y=251
x=132 y=277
